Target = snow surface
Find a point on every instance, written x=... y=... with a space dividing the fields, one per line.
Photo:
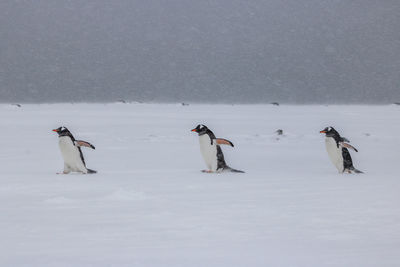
x=150 y=205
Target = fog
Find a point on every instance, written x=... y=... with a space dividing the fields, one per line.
x=229 y=51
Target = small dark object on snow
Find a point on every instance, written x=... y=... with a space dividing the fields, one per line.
x=279 y=132
x=185 y=104
x=367 y=134
x=18 y=105
x=121 y=101
x=275 y=103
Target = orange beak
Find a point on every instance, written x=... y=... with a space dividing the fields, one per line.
x=322 y=131
x=55 y=130
x=194 y=130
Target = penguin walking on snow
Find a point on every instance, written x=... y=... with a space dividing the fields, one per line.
x=211 y=150
x=71 y=151
x=338 y=152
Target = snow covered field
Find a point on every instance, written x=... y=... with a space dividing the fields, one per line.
x=150 y=205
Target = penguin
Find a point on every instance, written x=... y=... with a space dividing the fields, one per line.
x=211 y=150
x=71 y=152
x=337 y=148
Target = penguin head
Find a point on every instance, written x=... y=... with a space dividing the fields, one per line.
x=200 y=129
x=330 y=132
x=62 y=131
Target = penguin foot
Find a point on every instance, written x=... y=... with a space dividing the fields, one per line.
x=207 y=171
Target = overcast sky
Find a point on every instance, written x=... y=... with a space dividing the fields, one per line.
x=249 y=51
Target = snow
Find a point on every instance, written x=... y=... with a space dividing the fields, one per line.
x=149 y=204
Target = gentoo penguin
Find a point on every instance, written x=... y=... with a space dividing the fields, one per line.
x=338 y=152
x=211 y=150
x=71 y=151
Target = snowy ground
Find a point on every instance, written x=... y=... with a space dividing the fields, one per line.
x=150 y=205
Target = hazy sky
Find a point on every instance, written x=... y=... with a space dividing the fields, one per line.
x=293 y=51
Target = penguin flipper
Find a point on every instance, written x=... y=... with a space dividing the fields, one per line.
x=84 y=143
x=343 y=144
x=221 y=141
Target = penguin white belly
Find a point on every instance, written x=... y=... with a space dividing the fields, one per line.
x=209 y=152
x=71 y=155
x=335 y=153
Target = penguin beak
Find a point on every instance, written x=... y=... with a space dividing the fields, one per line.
x=194 y=130
x=322 y=131
x=55 y=130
